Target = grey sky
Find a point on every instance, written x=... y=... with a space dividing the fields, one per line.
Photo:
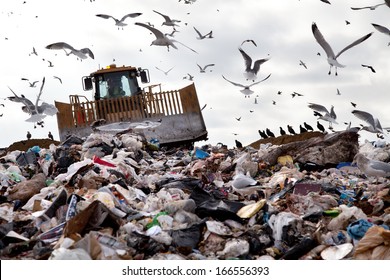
x=281 y=29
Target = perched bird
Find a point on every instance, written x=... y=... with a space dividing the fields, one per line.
x=251 y=72
x=249 y=41
x=203 y=69
x=28 y=135
x=167 y=20
x=81 y=54
x=331 y=57
x=161 y=39
x=330 y=116
x=50 y=136
x=282 y=132
x=382 y=29
x=373 y=126
x=238 y=144
x=320 y=127
x=369 y=67
x=291 y=130
x=120 y=22
x=269 y=133
x=302 y=129
x=247 y=91
x=371 y=168
x=308 y=127
x=201 y=36
x=263 y=134
x=303 y=64
x=165 y=72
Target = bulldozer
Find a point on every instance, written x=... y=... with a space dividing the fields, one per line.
x=118 y=99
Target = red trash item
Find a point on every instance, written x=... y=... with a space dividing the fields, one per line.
x=102 y=162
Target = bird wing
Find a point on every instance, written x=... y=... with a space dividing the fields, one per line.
x=106 y=16
x=255 y=83
x=155 y=31
x=256 y=65
x=208 y=65
x=131 y=15
x=39 y=95
x=247 y=58
x=167 y=18
x=321 y=40
x=29 y=105
x=88 y=51
x=381 y=28
x=358 y=41
x=249 y=40
x=184 y=46
x=318 y=107
x=364 y=116
x=197 y=31
x=233 y=83
x=59 y=46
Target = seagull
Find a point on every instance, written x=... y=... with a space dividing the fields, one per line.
x=34 y=52
x=369 y=67
x=251 y=72
x=58 y=78
x=331 y=57
x=201 y=37
x=329 y=116
x=165 y=72
x=371 y=168
x=373 y=126
x=203 y=69
x=247 y=91
x=81 y=54
x=171 y=34
x=370 y=7
x=161 y=39
x=33 y=84
x=296 y=94
x=382 y=29
x=303 y=64
x=189 y=77
x=249 y=41
x=168 y=21
x=120 y=23
x=338 y=92
x=37 y=112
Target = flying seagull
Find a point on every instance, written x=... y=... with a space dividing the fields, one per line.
x=165 y=72
x=161 y=39
x=247 y=91
x=373 y=126
x=168 y=21
x=371 y=7
x=203 y=69
x=331 y=57
x=82 y=53
x=382 y=29
x=249 y=41
x=121 y=22
x=251 y=72
x=32 y=84
x=201 y=36
x=303 y=64
x=329 y=116
x=369 y=67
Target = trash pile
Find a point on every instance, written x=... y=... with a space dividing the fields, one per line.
x=121 y=197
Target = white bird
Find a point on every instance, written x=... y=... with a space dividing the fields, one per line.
x=161 y=39
x=32 y=84
x=203 y=69
x=251 y=72
x=247 y=91
x=387 y=3
x=168 y=21
x=189 y=77
x=82 y=53
x=331 y=57
x=58 y=78
x=371 y=168
x=249 y=41
x=382 y=29
x=373 y=126
x=121 y=22
x=37 y=112
x=201 y=36
x=328 y=116
x=165 y=72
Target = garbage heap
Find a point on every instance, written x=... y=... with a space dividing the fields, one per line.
x=121 y=197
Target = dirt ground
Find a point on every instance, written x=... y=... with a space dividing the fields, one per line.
x=24 y=145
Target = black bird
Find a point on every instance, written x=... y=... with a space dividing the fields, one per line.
x=282 y=132
x=302 y=129
x=263 y=134
x=238 y=144
x=269 y=133
x=28 y=135
x=320 y=127
x=50 y=136
x=291 y=130
x=369 y=67
x=296 y=94
x=308 y=127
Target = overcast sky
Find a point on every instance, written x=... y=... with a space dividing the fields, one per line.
x=280 y=28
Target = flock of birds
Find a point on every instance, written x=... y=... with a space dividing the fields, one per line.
x=38 y=110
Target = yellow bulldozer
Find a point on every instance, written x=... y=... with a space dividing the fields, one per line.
x=118 y=99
